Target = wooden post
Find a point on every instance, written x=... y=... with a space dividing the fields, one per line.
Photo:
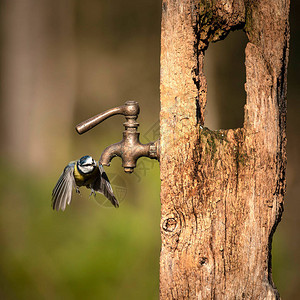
x=221 y=191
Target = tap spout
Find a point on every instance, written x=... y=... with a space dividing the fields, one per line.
x=110 y=152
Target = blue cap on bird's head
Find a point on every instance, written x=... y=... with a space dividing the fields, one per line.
x=86 y=160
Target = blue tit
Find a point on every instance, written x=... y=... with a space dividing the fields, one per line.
x=83 y=172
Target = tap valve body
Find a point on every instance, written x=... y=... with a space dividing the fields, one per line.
x=130 y=148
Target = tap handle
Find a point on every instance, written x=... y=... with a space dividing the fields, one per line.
x=129 y=109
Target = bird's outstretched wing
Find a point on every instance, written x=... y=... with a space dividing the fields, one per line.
x=62 y=192
x=102 y=185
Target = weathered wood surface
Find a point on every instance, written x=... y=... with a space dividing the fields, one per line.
x=221 y=191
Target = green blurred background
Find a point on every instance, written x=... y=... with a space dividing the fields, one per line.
x=63 y=61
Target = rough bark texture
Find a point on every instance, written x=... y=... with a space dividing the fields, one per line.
x=221 y=191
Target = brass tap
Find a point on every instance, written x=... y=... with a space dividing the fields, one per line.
x=130 y=148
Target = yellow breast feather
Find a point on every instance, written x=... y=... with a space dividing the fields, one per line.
x=78 y=176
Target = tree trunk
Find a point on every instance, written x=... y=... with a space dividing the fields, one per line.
x=221 y=191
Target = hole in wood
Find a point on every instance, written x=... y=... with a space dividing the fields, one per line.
x=225 y=72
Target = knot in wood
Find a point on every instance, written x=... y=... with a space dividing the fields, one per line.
x=169 y=224
x=203 y=260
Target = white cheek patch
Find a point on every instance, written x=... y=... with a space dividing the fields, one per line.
x=86 y=169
